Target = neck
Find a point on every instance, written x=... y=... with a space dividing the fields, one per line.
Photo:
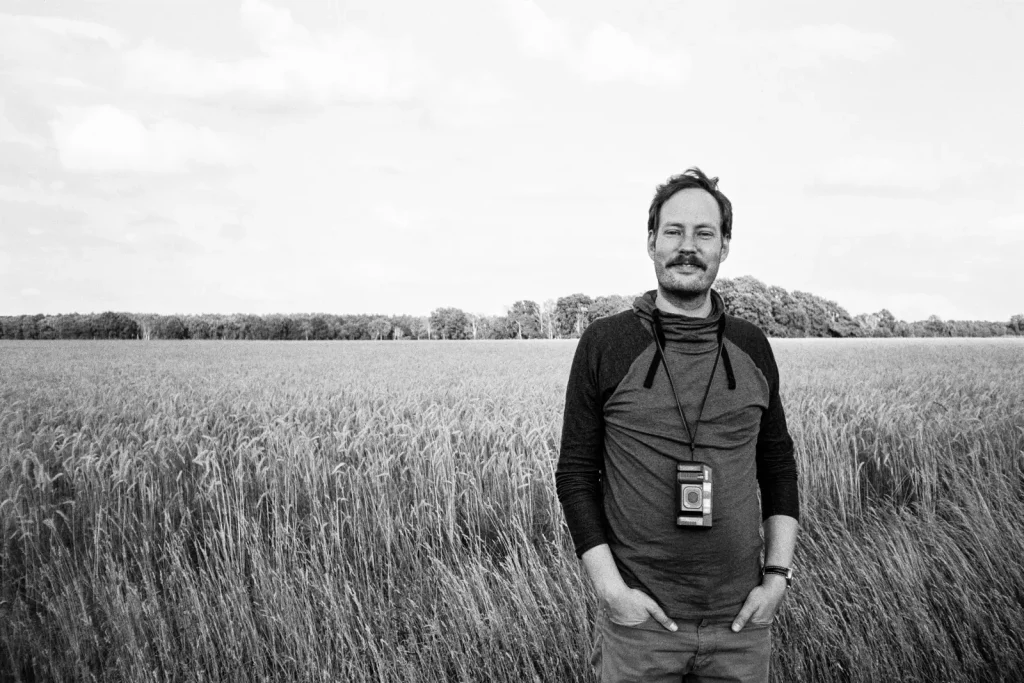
x=698 y=306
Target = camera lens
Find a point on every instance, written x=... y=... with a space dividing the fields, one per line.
x=692 y=497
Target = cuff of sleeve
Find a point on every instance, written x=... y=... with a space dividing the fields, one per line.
x=783 y=498
x=588 y=543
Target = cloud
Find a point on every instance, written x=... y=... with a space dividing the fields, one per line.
x=105 y=138
x=393 y=217
x=234 y=232
x=152 y=221
x=839 y=41
x=30 y=229
x=539 y=35
x=463 y=101
x=23 y=218
x=164 y=243
x=475 y=90
x=66 y=28
x=1007 y=228
x=44 y=53
x=811 y=45
x=292 y=67
x=75 y=84
x=295 y=67
x=609 y=54
x=11 y=134
x=881 y=176
x=272 y=26
x=604 y=54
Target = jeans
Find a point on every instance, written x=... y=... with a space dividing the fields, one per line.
x=700 y=651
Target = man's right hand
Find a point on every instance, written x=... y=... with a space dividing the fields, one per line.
x=625 y=606
x=632 y=607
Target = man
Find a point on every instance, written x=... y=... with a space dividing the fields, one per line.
x=674 y=553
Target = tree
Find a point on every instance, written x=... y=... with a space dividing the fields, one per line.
x=30 y=326
x=886 y=320
x=379 y=327
x=547 y=319
x=934 y=327
x=881 y=324
x=747 y=297
x=840 y=322
x=491 y=326
x=449 y=323
x=608 y=305
x=49 y=327
x=350 y=329
x=279 y=326
x=790 y=319
x=817 y=316
x=523 y=320
x=402 y=326
x=419 y=327
x=10 y=328
x=571 y=314
x=825 y=318
x=199 y=327
x=170 y=327
x=146 y=323
x=318 y=328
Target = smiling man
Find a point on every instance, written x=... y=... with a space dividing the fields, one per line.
x=672 y=426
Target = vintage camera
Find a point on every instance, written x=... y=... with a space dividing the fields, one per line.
x=693 y=485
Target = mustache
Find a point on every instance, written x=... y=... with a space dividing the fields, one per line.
x=688 y=260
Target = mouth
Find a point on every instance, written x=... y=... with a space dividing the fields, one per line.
x=687 y=264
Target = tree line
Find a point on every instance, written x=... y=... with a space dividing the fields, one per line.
x=775 y=310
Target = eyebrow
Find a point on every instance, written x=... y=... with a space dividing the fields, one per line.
x=674 y=224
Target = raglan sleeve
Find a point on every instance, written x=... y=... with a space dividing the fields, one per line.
x=581 y=456
x=776 y=464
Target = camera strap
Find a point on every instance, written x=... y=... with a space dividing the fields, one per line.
x=659 y=338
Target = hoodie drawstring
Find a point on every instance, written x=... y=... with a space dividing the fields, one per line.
x=728 y=368
x=656 y=360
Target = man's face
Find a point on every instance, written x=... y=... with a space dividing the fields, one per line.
x=688 y=246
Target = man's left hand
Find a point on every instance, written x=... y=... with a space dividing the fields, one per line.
x=761 y=602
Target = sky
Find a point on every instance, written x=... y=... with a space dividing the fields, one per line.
x=349 y=156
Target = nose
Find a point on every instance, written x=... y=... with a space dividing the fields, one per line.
x=688 y=242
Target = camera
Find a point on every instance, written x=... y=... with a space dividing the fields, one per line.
x=693 y=494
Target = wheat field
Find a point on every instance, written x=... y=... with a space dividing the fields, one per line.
x=251 y=511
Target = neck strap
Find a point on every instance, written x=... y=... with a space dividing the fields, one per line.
x=659 y=338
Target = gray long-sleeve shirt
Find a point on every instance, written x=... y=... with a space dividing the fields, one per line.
x=622 y=437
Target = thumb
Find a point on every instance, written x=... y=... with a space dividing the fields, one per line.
x=659 y=615
x=745 y=613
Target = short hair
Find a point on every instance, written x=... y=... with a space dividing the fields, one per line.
x=692 y=178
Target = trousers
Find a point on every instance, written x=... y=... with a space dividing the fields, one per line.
x=701 y=651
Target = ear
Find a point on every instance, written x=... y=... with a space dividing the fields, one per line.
x=652 y=239
x=725 y=248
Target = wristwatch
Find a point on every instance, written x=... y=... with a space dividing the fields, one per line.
x=781 y=571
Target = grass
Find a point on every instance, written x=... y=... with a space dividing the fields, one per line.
x=362 y=512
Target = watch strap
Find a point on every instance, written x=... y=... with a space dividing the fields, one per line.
x=786 y=572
